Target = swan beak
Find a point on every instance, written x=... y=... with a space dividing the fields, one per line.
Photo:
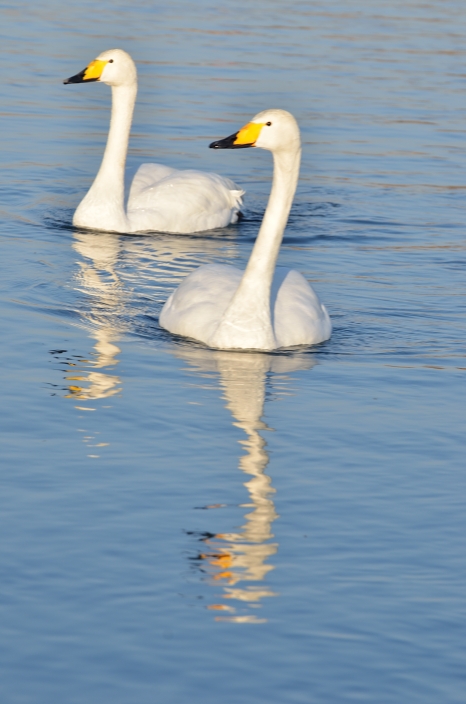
x=91 y=73
x=246 y=137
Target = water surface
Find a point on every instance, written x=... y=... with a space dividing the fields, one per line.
x=181 y=524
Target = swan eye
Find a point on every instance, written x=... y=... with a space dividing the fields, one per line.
x=268 y=124
x=110 y=61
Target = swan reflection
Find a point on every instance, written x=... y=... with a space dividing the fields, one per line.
x=238 y=561
x=114 y=272
x=98 y=279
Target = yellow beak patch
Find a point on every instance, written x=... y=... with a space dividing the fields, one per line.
x=94 y=71
x=249 y=133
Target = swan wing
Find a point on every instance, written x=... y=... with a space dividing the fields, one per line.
x=299 y=318
x=181 y=201
x=147 y=176
x=196 y=307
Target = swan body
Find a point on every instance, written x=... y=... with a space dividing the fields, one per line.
x=160 y=198
x=264 y=307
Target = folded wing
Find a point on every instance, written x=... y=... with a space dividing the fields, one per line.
x=167 y=200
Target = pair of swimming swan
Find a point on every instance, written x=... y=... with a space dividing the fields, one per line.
x=264 y=307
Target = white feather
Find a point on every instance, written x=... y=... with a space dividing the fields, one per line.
x=263 y=308
x=161 y=198
x=169 y=200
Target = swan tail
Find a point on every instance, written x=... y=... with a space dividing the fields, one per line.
x=237 y=197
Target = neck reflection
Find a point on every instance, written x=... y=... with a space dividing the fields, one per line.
x=118 y=275
x=238 y=561
x=98 y=279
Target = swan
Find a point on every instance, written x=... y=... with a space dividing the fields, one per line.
x=263 y=308
x=161 y=198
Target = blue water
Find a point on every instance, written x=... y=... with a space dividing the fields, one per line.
x=185 y=525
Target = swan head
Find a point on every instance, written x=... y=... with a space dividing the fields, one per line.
x=114 y=67
x=275 y=130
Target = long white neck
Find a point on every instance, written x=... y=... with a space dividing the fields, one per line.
x=103 y=206
x=248 y=317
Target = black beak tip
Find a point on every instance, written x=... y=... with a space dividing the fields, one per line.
x=227 y=143
x=79 y=78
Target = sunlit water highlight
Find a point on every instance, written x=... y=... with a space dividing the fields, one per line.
x=180 y=524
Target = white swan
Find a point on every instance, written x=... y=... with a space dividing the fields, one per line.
x=161 y=198
x=264 y=308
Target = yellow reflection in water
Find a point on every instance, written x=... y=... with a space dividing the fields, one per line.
x=238 y=561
